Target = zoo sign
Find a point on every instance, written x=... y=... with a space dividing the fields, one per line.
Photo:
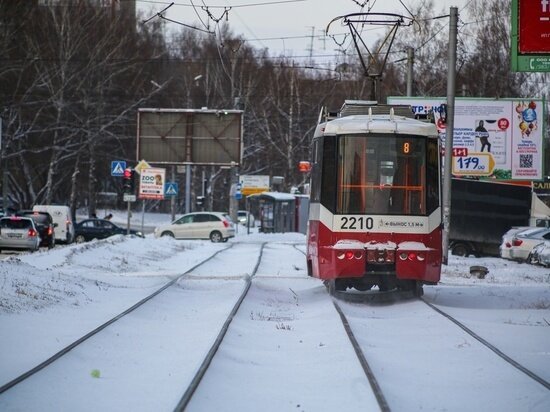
x=151 y=183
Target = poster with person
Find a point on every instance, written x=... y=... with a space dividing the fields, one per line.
x=496 y=138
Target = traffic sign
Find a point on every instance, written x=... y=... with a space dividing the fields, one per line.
x=170 y=189
x=238 y=195
x=142 y=164
x=151 y=183
x=117 y=167
x=129 y=198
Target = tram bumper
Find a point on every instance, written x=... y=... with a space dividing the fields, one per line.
x=414 y=260
x=355 y=259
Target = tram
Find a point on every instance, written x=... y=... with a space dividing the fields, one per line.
x=375 y=213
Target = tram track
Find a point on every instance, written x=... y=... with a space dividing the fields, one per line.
x=508 y=359
x=58 y=355
x=260 y=323
x=378 y=326
x=373 y=381
x=490 y=346
x=400 y=297
x=195 y=382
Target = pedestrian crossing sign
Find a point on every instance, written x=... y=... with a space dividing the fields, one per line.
x=170 y=189
x=117 y=167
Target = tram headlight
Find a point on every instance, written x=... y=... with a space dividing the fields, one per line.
x=421 y=257
x=341 y=255
x=403 y=255
x=349 y=255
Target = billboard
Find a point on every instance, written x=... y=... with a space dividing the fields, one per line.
x=500 y=139
x=530 y=35
x=190 y=137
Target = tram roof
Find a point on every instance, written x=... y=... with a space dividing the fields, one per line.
x=385 y=124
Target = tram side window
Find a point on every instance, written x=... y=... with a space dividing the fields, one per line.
x=316 y=170
x=432 y=173
x=328 y=174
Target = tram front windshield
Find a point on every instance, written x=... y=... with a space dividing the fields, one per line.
x=387 y=174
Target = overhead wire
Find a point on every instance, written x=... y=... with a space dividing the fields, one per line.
x=267 y=3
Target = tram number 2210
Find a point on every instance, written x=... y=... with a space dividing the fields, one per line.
x=356 y=223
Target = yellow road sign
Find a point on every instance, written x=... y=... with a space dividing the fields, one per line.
x=141 y=165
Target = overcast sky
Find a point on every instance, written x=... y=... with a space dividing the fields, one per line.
x=283 y=26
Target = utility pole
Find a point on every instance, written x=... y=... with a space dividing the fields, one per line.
x=173 y=198
x=449 y=131
x=310 y=49
x=233 y=201
x=410 y=64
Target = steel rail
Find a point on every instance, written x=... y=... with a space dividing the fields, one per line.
x=195 y=382
x=493 y=348
x=73 y=345
x=380 y=398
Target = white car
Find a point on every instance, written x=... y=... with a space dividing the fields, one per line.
x=61 y=215
x=506 y=245
x=18 y=233
x=523 y=242
x=199 y=225
x=245 y=217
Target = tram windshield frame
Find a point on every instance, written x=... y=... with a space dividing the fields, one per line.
x=387 y=174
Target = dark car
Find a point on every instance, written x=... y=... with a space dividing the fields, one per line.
x=99 y=229
x=44 y=224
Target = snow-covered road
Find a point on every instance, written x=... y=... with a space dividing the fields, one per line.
x=285 y=349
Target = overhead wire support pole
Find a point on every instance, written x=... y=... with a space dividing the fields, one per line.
x=410 y=64
x=449 y=131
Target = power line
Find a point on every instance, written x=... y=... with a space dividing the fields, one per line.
x=269 y=3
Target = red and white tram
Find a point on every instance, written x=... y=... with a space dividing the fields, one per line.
x=375 y=211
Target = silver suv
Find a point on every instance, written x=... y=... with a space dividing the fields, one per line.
x=199 y=225
x=18 y=232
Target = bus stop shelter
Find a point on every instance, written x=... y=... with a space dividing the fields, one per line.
x=275 y=211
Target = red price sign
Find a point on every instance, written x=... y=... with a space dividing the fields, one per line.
x=460 y=151
x=534 y=26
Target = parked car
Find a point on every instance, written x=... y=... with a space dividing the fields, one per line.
x=523 y=242
x=90 y=229
x=65 y=230
x=540 y=255
x=18 y=233
x=506 y=244
x=44 y=224
x=246 y=218
x=215 y=226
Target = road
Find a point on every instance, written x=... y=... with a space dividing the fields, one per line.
x=285 y=348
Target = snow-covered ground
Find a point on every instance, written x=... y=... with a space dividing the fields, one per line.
x=50 y=298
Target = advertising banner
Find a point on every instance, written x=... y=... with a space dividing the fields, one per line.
x=501 y=139
x=151 y=183
x=534 y=26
